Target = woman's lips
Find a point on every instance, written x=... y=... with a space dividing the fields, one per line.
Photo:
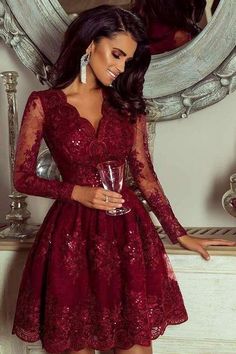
x=112 y=75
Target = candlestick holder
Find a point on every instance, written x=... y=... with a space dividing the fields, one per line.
x=17 y=226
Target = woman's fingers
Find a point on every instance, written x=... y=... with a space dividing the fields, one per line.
x=101 y=207
x=109 y=193
x=194 y=245
x=215 y=242
x=203 y=253
x=109 y=196
x=219 y=242
x=97 y=197
x=199 y=244
x=103 y=199
x=108 y=205
x=211 y=242
x=114 y=195
x=112 y=199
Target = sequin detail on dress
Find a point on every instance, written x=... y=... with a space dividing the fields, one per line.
x=92 y=280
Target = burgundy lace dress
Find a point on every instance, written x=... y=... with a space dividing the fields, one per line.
x=93 y=280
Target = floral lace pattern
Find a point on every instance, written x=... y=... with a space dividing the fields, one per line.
x=92 y=280
x=145 y=177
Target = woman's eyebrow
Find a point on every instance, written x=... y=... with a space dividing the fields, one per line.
x=123 y=53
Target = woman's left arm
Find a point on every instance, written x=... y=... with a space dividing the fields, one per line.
x=146 y=179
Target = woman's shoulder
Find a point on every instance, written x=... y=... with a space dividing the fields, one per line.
x=38 y=92
x=49 y=96
x=48 y=92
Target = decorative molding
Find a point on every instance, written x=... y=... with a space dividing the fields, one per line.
x=207 y=92
x=205 y=231
x=175 y=71
x=45 y=23
x=14 y=36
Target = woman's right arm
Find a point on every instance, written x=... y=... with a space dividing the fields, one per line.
x=24 y=177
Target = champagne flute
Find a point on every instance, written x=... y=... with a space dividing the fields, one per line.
x=112 y=176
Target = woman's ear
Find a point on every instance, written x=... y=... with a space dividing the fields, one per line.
x=90 y=48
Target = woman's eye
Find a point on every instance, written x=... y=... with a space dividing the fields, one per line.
x=117 y=56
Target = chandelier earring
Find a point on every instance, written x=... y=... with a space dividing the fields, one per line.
x=83 y=67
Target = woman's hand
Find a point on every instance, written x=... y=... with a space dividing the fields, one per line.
x=97 y=197
x=199 y=245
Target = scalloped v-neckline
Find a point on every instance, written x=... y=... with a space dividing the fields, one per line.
x=95 y=130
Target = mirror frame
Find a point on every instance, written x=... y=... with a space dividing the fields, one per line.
x=178 y=83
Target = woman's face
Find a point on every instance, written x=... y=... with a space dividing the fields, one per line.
x=109 y=56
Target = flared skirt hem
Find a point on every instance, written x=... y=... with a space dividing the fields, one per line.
x=62 y=347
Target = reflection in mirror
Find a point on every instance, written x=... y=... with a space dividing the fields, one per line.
x=170 y=24
x=74 y=7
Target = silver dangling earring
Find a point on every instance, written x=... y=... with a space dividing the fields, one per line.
x=83 y=67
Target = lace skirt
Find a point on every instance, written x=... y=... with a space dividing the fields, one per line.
x=97 y=281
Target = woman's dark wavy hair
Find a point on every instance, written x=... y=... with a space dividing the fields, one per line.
x=126 y=95
x=182 y=14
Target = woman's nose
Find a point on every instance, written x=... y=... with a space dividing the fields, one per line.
x=121 y=66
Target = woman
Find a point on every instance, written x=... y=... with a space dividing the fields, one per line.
x=170 y=23
x=93 y=281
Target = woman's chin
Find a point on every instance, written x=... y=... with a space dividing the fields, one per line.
x=106 y=82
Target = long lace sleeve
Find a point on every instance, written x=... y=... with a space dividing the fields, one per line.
x=31 y=133
x=146 y=179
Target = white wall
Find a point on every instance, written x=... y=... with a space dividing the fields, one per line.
x=193 y=157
